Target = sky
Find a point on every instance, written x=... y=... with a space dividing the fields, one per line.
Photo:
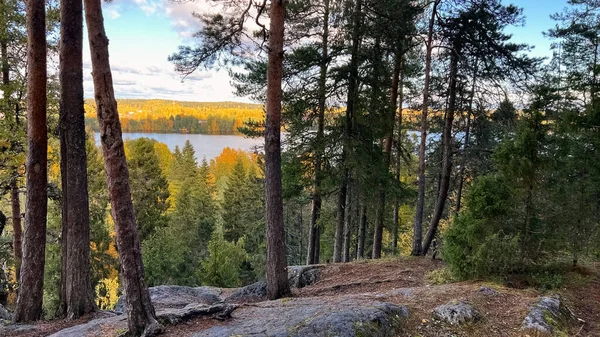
x=143 y=33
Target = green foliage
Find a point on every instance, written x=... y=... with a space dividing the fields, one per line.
x=243 y=219
x=235 y=197
x=149 y=186
x=173 y=254
x=104 y=262
x=221 y=268
x=440 y=276
x=503 y=230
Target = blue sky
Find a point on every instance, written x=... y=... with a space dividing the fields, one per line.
x=143 y=33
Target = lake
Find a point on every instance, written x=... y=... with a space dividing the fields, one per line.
x=206 y=146
x=210 y=146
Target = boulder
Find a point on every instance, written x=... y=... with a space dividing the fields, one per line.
x=456 y=313
x=173 y=316
x=254 y=292
x=298 y=277
x=171 y=296
x=110 y=324
x=313 y=317
x=13 y=329
x=486 y=291
x=4 y=314
x=302 y=276
x=546 y=315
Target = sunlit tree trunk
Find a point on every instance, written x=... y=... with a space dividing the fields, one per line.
x=29 y=301
x=277 y=282
x=140 y=312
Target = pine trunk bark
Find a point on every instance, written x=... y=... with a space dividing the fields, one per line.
x=350 y=107
x=418 y=227
x=76 y=291
x=387 y=152
x=461 y=175
x=17 y=227
x=347 y=226
x=141 y=316
x=277 y=281
x=341 y=215
x=447 y=152
x=398 y=160
x=29 y=301
x=317 y=199
x=362 y=231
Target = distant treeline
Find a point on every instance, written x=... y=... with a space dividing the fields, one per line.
x=162 y=116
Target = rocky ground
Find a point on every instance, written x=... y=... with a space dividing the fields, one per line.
x=368 y=298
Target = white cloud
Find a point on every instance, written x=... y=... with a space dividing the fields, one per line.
x=113 y=12
x=142 y=72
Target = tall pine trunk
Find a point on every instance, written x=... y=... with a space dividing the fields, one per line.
x=350 y=111
x=447 y=151
x=314 y=235
x=362 y=231
x=461 y=175
x=140 y=312
x=418 y=227
x=29 y=301
x=348 y=225
x=76 y=291
x=15 y=203
x=398 y=160
x=387 y=152
x=277 y=281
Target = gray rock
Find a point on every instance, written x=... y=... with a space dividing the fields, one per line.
x=98 y=327
x=171 y=296
x=456 y=313
x=313 y=317
x=174 y=316
x=298 y=277
x=546 y=314
x=109 y=323
x=13 y=329
x=251 y=293
x=4 y=314
x=487 y=291
x=302 y=276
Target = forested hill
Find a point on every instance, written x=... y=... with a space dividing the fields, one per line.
x=166 y=116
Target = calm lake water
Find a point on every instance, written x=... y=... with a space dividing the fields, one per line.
x=209 y=146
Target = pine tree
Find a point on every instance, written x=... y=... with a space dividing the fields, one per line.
x=140 y=311
x=149 y=186
x=235 y=198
